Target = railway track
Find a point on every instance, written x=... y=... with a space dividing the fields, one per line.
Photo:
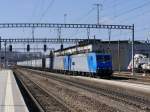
x=122 y=96
x=46 y=101
x=32 y=104
x=139 y=79
x=86 y=105
x=123 y=76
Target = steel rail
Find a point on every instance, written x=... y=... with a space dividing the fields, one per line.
x=51 y=94
x=29 y=93
x=131 y=100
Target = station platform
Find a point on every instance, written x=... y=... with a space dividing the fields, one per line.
x=11 y=99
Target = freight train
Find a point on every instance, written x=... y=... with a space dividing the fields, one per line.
x=93 y=64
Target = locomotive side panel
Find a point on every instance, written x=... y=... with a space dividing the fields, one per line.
x=58 y=63
x=79 y=63
x=47 y=63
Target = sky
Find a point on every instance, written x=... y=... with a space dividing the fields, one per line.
x=126 y=12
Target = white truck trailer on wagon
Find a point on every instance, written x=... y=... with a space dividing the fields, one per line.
x=141 y=63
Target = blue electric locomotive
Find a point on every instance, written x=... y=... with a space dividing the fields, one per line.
x=94 y=63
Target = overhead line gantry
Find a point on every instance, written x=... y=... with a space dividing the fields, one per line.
x=57 y=25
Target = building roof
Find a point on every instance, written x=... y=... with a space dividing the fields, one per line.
x=122 y=42
x=97 y=41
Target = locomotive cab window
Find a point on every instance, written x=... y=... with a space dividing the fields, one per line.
x=73 y=63
x=107 y=58
x=103 y=58
x=100 y=58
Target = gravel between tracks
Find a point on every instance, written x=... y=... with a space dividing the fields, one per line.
x=79 y=99
x=47 y=102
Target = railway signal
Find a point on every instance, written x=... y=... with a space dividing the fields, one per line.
x=61 y=47
x=2 y=58
x=28 y=47
x=45 y=47
x=10 y=48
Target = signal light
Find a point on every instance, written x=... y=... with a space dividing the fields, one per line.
x=28 y=47
x=10 y=48
x=2 y=58
x=45 y=48
x=61 y=47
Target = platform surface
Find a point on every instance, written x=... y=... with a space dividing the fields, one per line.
x=11 y=99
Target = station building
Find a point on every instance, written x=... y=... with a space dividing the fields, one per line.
x=121 y=51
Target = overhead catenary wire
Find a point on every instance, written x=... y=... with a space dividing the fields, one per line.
x=129 y=10
x=133 y=9
x=80 y=19
x=85 y=15
x=136 y=16
x=35 y=7
x=114 y=4
x=139 y=15
x=111 y=3
x=46 y=10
